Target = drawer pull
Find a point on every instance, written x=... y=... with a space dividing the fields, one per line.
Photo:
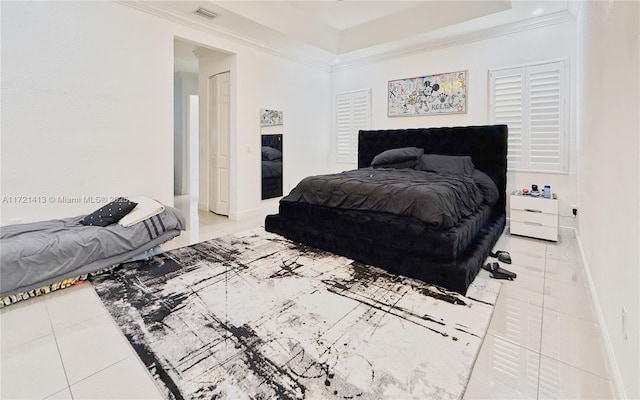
x=533 y=211
x=533 y=223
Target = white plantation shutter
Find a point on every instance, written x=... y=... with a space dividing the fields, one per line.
x=532 y=101
x=507 y=109
x=352 y=114
x=546 y=117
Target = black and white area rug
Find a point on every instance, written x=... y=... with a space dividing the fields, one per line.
x=255 y=316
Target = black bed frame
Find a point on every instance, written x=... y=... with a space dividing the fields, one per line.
x=487 y=146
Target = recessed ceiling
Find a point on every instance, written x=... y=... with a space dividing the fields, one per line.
x=344 y=26
x=343 y=15
x=334 y=32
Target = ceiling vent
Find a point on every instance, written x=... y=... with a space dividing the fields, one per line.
x=203 y=12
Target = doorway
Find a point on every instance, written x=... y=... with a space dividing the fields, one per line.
x=202 y=176
x=194 y=150
x=219 y=134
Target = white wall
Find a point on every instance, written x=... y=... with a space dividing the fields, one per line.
x=550 y=43
x=185 y=84
x=87 y=107
x=609 y=194
x=303 y=95
x=260 y=80
x=177 y=134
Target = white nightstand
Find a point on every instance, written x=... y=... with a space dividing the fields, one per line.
x=534 y=217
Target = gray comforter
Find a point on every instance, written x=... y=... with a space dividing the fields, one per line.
x=40 y=253
x=439 y=200
x=271 y=168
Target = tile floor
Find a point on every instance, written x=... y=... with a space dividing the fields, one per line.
x=543 y=340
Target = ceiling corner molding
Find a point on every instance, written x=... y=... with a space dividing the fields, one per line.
x=507 y=29
x=574 y=8
x=204 y=27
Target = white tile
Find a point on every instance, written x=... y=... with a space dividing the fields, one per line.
x=525 y=279
x=518 y=322
x=64 y=394
x=569 y=298
x=503 y=370
x=239 y=226
x=528 y=246
x=573 y=341
x=565 y=249
x=566 y=271
x=211 y=218
x=567 y=233
x=562 y=381
x=91 y=346
x=133 y=382
x=527 y=289
x=73 y=305
x=23 y=322
x=32 y=370
x=525 y=262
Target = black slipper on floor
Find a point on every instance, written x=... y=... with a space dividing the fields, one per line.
x=495 y=269
x=502 y=255
x=498 y=275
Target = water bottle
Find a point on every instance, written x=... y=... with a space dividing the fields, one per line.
x=547 y=191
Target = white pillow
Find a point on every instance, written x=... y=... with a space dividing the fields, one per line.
x=146 y=208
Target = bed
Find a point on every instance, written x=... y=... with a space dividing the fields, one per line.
x=446 y=251
x=38 y=257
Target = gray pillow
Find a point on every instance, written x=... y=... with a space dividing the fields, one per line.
x=487 y=187
x=270 y=154
x=411 y=164
x=395 y=156
x=459 y=165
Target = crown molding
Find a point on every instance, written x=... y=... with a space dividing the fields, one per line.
x=396 y=50
x=152 y=9
x=556 y=18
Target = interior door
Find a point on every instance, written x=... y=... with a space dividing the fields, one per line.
x=219 y=95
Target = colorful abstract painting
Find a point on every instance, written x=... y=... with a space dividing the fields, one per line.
x=428 y=95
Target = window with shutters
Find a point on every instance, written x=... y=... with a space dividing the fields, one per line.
x=353 y=113
x=532 y=100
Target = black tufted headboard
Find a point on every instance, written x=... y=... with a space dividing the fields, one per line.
x=487 y=146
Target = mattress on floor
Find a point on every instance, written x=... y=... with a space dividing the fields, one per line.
x=37 y=254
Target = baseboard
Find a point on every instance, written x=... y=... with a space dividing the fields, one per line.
x=268 y=207
x=616 y=378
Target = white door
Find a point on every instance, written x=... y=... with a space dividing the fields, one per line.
x=219 y=94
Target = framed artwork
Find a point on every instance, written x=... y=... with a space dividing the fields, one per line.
x=428 y=95
x=270 y=117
